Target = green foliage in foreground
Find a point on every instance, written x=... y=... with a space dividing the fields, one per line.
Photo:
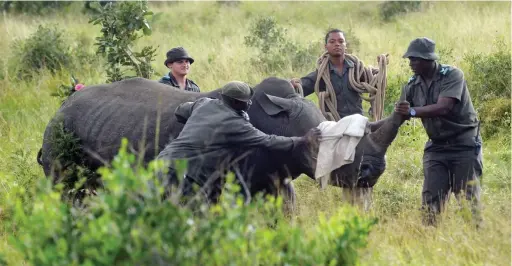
x=128 y=223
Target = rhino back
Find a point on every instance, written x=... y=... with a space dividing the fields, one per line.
x=136 y=109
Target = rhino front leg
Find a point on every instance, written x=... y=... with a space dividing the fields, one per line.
x=287 y=192
x=366 y=197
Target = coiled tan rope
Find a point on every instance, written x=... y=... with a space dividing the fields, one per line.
x=362 y=79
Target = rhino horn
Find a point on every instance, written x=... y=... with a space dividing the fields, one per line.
x=386 y=133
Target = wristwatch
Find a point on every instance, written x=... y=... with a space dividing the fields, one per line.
x=412 y=112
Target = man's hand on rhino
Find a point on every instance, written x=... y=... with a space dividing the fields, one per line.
x=295 y=83
x=402 y=107
x=313 y=137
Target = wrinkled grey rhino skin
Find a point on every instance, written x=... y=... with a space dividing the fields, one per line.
x=101 y=115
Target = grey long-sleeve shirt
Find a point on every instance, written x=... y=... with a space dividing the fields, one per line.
x=214 y=134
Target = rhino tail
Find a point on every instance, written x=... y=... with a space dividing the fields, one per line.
x=39 y=155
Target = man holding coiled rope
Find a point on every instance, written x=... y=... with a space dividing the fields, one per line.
x=340 y=79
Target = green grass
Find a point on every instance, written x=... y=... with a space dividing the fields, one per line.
x=214 y=36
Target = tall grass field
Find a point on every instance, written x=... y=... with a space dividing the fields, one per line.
x=225 y=40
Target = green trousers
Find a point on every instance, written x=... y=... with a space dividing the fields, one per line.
x=450 y=168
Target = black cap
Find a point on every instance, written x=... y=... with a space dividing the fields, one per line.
x=176 y=54
x=238 y=90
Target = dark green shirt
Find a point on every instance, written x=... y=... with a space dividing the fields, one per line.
x=349 y=101
x=461 y=122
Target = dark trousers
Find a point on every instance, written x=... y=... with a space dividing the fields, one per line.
x=202 y=188
x=449 y=170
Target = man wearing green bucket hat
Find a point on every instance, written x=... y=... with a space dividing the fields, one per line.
x=452 y=160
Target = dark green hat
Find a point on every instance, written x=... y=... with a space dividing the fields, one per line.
x=238 y=90
x=176 y=54
x=422 y=48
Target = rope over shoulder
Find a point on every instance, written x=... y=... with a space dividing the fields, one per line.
x=362 y=79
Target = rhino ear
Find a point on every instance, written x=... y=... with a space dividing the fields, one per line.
x=273 y=105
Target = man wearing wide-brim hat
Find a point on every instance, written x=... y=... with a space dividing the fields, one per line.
x=452 y=161
x=179 y=61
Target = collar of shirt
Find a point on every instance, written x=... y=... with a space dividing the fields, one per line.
x=346 y=65
x=436 y=77
x=241 y=113
x=174 y=82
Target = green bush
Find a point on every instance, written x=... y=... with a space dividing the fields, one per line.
x=129 y=223
x=276 y=51
x=390 y=9
x=394 y=87
x=33 y=7
x=488 y=81
x=489 y=75
x=45 y=49
x=121 y=24
x=495 y=117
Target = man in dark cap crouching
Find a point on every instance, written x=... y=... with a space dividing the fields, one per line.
x=452 y=160
x=178 y=61
x=215 y=132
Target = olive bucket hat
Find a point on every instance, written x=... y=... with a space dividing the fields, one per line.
x=176 y=54
x=422 y=48
x=238 y=90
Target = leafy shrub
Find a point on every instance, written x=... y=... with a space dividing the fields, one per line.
x=76 y=179
x=45 y=49
x=489 y=75
x=394 y=87
x=495 y=117
x=275 y=51
x=87 y=8
x=129 y=223
x=488 y=80
x=33 y=7
x=121 y=23
x=391 y=9
x=64 y=91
